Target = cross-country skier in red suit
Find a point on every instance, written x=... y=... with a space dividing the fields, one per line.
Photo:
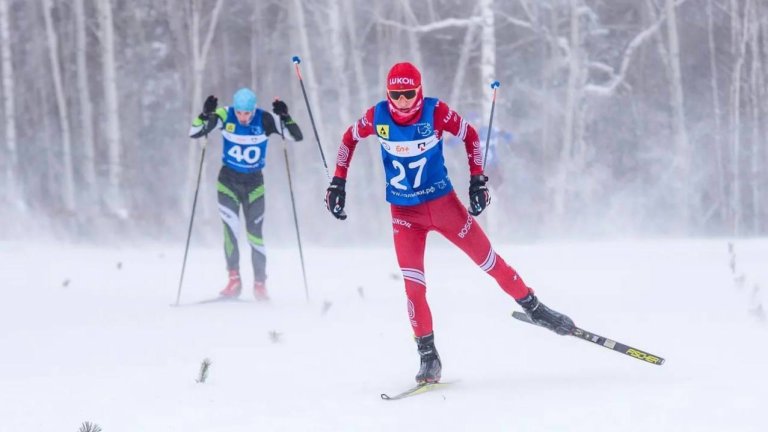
x=410 y=128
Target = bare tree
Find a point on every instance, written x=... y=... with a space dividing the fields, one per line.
x=739 y=32
x=308 y=65
x=114 y=195
x=487 y=54
x=67 y=172
x=199 y=50
x=757 y=96
x=86 y=105
x=573 y=105
x=461 y=64
x=337 y=56
x=544 y=22
x=13 y=194
x=470 y=24
x=682 y=145
x=257 y=35
x=762 y=153
x=413 y=38
x=617 y=77
x=720 y=198
x=355 y=44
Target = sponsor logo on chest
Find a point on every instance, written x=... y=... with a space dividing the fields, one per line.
x=424 y=129
x=382 y=130
x=402 y=149
x=408 y=148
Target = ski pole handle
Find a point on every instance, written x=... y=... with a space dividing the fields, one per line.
x=296 y=61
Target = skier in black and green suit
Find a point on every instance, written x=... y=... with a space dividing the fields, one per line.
x=245 y=130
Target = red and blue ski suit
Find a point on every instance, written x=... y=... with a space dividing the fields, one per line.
x=422 y=198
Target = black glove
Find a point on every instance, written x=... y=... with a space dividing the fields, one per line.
x=280 y=108
x=479 y=198
x=335 y=198
x=209 y=107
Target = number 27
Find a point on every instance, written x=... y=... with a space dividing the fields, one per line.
x=396 y=180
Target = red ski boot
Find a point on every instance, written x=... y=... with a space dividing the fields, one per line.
x=260 y=291
x=232 y=290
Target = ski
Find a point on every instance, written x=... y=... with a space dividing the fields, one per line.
x=215 y=300
x=604 y=342
x=413 y=391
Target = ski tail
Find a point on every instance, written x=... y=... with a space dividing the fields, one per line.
x=219 y=299
x=604 y=342
x=416 y=390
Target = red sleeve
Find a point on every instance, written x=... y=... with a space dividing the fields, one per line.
x=449 y=120
x=362 y=128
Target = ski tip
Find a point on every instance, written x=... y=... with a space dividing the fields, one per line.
x=495 y=85
x=385 y=396
x=296 y=59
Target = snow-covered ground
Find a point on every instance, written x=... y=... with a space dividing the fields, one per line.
x=87 y=334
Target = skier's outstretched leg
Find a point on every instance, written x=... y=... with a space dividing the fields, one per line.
x=454 y=223
x=458 y=226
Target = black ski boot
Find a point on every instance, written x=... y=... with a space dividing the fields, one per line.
x=546 y=317
x=430 y=369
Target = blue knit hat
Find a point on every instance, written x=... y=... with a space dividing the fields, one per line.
x=244 y=100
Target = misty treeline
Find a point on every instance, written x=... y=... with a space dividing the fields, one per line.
x=643 y=117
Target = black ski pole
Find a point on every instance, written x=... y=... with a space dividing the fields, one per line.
x=296 y=61
x=191 y=219
x=293 y=206
x=494 y=86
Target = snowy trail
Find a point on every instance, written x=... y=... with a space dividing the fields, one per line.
x=91 y=339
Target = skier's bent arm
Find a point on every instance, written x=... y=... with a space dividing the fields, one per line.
x=449 y=120
x=270 y=121
x=200 y=127
x=362 y=128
